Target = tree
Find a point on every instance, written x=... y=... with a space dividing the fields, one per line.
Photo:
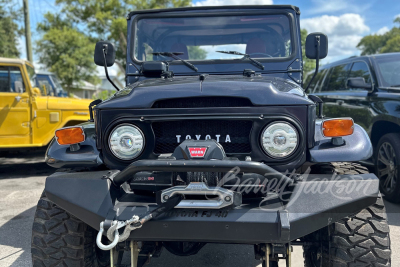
x=9 y=31
x=196 y=52
x=308 y=64
x=106 y=19
x=385 y=43
x=66 y=51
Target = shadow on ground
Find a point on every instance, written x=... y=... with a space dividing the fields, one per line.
x=16 y=233
x=393 y=213
x=22 y=164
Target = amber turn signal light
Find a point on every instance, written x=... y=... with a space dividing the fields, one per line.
x=70 y=135
x=338 y=127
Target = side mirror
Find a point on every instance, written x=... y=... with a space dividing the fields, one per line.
x=358 y=82
x=313 y=42
x=104 y=54
x=316 y=48
x=36 y=91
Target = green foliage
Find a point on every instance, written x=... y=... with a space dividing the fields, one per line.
x=9 y=31
x=385 y=43
x=197 y=53
x=66 y=51
x=104 y=94
x=68 y=40
x=106 y=19
x=308 y=64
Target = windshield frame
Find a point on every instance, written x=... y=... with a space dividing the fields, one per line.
x=32 y=78
x=198 y=13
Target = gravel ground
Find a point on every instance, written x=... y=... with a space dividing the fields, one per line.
x=22 y=177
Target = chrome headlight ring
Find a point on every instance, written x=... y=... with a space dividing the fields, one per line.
x=280 y=139
x=126 y=141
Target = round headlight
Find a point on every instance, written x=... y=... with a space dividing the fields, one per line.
x=279 y=139
x=126 y=141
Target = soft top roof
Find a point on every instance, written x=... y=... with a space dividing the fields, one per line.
x=147 y=11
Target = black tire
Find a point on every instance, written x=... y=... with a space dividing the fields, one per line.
x=340 y=168
x=60 y=239
x=387 y=159
x=359 y=240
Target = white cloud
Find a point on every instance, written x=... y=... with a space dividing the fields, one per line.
x=344 y=33
x=382 y=30
x=336 y=25
x=397 y=16
x=232 y=2
x=112 y=71
x=324 y=6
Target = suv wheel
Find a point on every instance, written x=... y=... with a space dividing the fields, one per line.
x=358 y=240
x=60 y=239
x=387 y=160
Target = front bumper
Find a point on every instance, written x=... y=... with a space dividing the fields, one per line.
x=315 y=202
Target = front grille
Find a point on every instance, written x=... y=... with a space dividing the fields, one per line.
x=238 y=131
x=203 y=102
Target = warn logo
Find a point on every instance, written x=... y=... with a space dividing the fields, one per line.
x=197 y=152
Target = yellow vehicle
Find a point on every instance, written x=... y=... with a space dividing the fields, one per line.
x=28 y=114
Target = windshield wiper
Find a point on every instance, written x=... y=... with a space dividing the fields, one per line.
x=245 y=56
x=398 y=85
x=174 y=56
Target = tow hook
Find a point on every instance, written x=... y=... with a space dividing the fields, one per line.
x=132 y=224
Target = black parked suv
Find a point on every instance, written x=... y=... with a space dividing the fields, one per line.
x=213 y=140
x=367 y=89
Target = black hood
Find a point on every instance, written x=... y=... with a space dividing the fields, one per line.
x=261 y=91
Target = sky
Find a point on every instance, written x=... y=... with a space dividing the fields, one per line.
x=345 y=22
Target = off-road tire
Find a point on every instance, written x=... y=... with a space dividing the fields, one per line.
x=394 y=140
x=340 y=168
x=359 y=240
x=60 y=239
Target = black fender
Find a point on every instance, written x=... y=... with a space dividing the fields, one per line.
x=61 y=156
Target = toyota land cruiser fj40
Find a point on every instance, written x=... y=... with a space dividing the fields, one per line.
x=212 y=140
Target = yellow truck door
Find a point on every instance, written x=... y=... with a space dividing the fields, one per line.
x=15 y=110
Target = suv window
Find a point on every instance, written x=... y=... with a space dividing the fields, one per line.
x=316 y=84
x=360 y=69
x=11 y=80
x=337 y=78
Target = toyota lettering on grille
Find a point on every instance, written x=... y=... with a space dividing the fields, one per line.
x=197 y=152
x=218 y=137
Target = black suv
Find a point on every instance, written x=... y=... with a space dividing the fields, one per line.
x=213 y=140
x=367 y=88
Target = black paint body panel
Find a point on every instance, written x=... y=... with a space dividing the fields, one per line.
x=260 y=116
x=93 y=199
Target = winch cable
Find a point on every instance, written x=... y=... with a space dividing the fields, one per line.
x=134 y=223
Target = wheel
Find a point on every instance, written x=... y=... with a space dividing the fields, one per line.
x=359 y=240
x=60 y=239
x=387 y=160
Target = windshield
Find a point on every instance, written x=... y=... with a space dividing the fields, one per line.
x=59 y=90
x=388 y=70
x=31 y=74
x=199 y=38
